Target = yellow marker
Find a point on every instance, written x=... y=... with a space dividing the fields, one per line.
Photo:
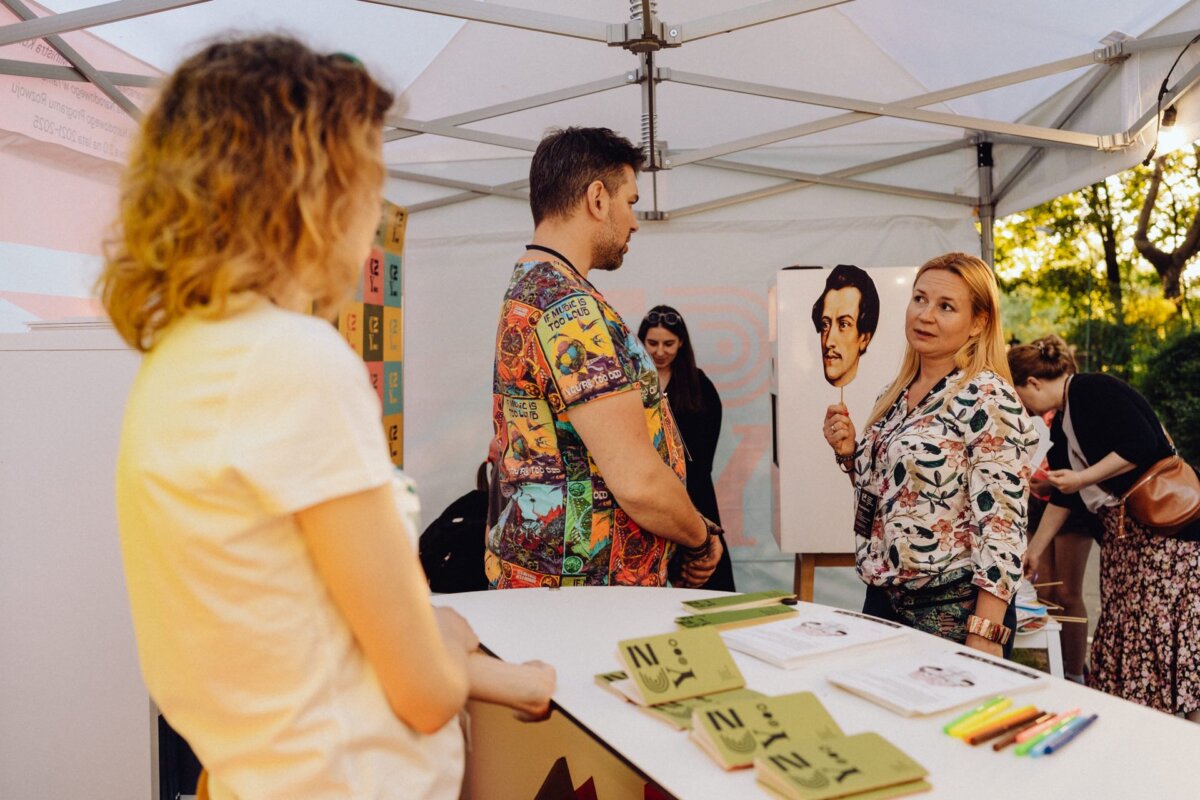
x=987 y=715
x=999 y=722
x=966 y=715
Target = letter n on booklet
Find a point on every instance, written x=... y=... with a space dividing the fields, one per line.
x=679 y=665
x=865 y=764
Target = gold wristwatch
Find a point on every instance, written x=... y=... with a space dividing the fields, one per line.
x=992 y=631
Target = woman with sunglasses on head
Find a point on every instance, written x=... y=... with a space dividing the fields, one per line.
x=696 y=407
x=283 y=623
x=1147 y=643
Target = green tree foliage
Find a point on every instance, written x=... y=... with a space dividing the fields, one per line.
x=1071 y=265
x=1170 y=382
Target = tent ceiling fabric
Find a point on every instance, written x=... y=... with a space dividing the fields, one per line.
x=822 y=95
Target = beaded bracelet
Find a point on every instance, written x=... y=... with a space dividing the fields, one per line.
x=701 y=549
x=845 y=463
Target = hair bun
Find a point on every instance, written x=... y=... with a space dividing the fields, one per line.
x=1052 y=348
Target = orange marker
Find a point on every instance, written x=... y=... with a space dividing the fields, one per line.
x=1014 y=719
x=1029 y=733
x=1012 y=735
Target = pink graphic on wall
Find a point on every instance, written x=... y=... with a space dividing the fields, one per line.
x=728 y=328
x=53 y=307
x=752 y=444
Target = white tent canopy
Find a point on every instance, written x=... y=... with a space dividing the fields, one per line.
x=815 y=131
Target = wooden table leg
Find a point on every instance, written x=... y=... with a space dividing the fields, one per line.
x=805 y=574
x=806 y=570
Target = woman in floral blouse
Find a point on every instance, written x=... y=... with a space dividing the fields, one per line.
x=941 y=474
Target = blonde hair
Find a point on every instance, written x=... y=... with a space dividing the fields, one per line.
x=254 y=158
x=982 y=352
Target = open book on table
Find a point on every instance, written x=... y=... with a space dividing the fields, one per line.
x=811 y=631
x=937 y=682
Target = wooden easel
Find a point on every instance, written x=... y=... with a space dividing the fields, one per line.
x=806 y=570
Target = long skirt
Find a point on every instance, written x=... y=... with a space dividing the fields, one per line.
x=1147 y=642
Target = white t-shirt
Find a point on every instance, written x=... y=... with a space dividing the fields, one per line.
x=232 y=426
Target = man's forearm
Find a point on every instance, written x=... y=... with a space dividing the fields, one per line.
x=614 y=431
x=661 y=505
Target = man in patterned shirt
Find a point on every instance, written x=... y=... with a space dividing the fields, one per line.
x=588 y=488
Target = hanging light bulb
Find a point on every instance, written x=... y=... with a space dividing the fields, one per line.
x=1170 y=137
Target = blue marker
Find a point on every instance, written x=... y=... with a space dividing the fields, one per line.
x=1061 y=738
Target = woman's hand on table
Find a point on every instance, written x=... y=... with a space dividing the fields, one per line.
x=525 y=688
x=539 y=681
x=455 y=630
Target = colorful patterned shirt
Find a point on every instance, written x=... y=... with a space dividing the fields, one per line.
x=952 y=479
x=560 y=345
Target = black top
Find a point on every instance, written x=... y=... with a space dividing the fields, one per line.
x=700 y=430
x=1108 y=416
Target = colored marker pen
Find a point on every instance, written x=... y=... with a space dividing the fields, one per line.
x=987 y=715
x=1026 y=735
x=1011 y=736
x=984 y=706
x=1024 y=747
x=1060 y=740
x=1003 y=724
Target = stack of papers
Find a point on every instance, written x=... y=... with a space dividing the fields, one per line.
x=1032 y=614
x=812 y=631
x=930 y=684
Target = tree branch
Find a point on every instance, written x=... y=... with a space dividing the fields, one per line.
x=1159 y=259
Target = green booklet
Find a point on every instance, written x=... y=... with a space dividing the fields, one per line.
x=861 y=766
x=731 y=602
x=678 y=714
x=737 y=618
x=733 y=733
x=608 y=681
x=676 y=666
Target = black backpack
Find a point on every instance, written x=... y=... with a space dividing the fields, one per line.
x=451 y=548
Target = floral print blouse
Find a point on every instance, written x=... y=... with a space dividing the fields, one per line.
x=952 y=478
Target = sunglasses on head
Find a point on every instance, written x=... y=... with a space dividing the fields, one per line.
x=669 y=317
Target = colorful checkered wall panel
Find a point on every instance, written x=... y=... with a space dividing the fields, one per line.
x=373 y=323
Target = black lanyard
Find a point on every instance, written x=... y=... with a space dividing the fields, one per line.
x=554 y=253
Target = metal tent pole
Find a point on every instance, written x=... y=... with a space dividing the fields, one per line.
x=987 y=202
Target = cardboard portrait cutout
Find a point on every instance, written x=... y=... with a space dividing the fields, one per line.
x=845 y=316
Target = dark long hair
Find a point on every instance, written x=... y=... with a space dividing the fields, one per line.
x=685 y=377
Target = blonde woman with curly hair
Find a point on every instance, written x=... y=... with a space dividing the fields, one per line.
x=941 y=473
x=283 y=623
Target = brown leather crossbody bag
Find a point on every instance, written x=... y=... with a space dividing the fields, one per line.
x=1166 y=499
